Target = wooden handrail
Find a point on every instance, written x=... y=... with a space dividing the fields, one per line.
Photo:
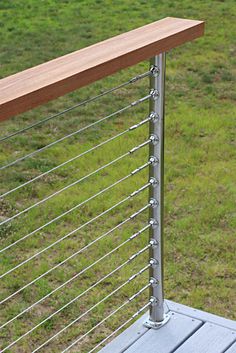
x=40 y=84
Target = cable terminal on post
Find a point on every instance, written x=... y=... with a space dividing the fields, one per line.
x=154 y=117
x=154 y=93
x=153 y=182
x=154 y=243
x=154 y=263
x=154 y=139
x=153 y=161
x=153 y=202
x=154 y=71
x=153 y=223
x=153 y=282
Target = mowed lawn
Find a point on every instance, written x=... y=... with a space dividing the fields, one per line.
x=200 y=169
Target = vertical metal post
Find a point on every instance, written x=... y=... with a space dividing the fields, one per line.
x=156 y=173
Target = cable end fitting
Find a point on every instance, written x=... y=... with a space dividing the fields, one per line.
x=153 y=223
x=153 y=301
x=153 y=202
x=154 y=263
x=154 y=93
x=154 y=117
x=153 y=160
x=154 y=139
x=154 y=243
x=154 y=282
x=153 y=182
x=154 y=71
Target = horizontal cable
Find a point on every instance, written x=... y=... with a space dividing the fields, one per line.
x=116 y=330
x=91 y=308
x=72 y=232
x=89 y=100
x=76 y=206
x=76 y=157
x=76 y=182
x=50 y=270
x=87 y=290
x=133 y=104
x=77 y=319
x=109 y=316
x=63 y=189
x=61 y=263
x=61 y=165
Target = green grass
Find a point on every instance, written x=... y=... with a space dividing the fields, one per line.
x=200 y=169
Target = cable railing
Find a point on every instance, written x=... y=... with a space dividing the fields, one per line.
x=151 y=301
x=78 y=274
x=74 y=133
x=75 y=183
x=76 y=298
x=80 y=104
x=78 y=206
x=94 y=306
x=60 y=263
x=76 y=157
x=90 y=244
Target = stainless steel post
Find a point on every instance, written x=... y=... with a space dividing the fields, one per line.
x=156 y=173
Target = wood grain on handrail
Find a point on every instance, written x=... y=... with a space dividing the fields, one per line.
x=40 y=84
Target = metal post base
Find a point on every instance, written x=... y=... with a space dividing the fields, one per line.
x=156 y=325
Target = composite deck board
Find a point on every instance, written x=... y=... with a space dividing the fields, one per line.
x=201 y=315
x=232 y=349
x=168 y=338
x=122 y=342
x=127 y=337
x=209 y=338
x=188 y=331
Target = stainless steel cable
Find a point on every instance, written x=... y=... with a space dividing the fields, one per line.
x=61 y=263
x=77 y=131
x=90 y=309
x=78 y=318
x=64 y=189
x=43 y=275
x=68 y=211
x=86 y=291
x=75 y=158
x=76 y=182
x=116 y=330
x=109 y=316
x=89 y=100
x=36 y=279
x=70 y=233
x=62 y=164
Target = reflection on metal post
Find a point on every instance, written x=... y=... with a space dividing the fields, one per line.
x=157 y=85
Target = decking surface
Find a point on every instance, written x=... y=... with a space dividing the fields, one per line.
x=188 y=331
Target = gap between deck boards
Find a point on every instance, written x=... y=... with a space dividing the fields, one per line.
x=189 y=331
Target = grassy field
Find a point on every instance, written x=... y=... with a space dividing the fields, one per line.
x=200 y=169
